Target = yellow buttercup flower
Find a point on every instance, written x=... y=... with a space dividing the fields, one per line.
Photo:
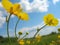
x=50 y=20
x=59 y=36
x=23 y=16
x=21 y=42
x=54 y=22
x=11 y=8
x=38 y=38
x=28 y=42
x=7 y=5
x=15 y=9
x=52 y=44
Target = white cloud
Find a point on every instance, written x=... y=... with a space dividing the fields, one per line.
x=26 y=5
x=2 y=14
x=12 y=16
x=1 y=5
x=55 y=1
x=2 y=19
x=59 y=21
x=36 y=5
x=27 y=29
x=41 y=5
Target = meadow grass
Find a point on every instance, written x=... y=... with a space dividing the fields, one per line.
x=45 y=40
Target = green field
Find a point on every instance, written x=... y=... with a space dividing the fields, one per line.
x=45 y=40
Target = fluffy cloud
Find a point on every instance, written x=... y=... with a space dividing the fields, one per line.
x=36 y=5
x=2 y=19
x=0 y=4
x=55 y=1
x=27 y=29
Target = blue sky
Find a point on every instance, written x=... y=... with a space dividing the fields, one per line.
x=36 y=11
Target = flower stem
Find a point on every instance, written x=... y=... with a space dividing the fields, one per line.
x=8 y=29
x=39 y=30
x=16 y=27
x=23 y=36
x=36 y=34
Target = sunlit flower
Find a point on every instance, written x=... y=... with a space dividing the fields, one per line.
x=50 y=20
x=23 y=16
x=11 y=8
x=58 y=41
x=59 y=36
x=54 y=22
x=7 y=5
x=38 y=38
x=28 y=42
x=15 y=9
x=53 y=41
x=21 y=42
x=52 y=44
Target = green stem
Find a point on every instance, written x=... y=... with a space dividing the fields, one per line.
x=8 y=29
x=39 y=30
x=37 y=33
x=16 y=27
x=23 y=36
x=19 y=36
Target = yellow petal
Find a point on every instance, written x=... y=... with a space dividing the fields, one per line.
x=21 y=42
x=54 y=22
x=16 y=8
x=59 y=36
x=48 y=18
x=28 y=41
x=7 y=4
x=23 y=16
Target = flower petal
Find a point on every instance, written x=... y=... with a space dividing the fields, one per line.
x=16 y=8
x=23 y=16
x=7 y=4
